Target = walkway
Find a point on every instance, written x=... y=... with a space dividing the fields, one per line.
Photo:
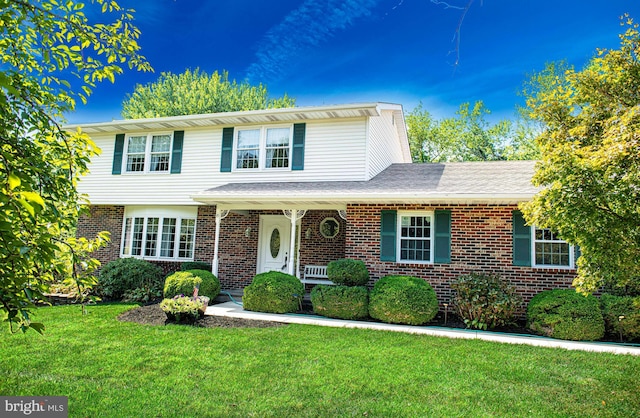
x=233 y=310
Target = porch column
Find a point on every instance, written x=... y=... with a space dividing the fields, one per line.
x=293 y=215
x=220 y=215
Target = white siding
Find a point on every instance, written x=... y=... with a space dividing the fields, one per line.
x=334 y=151
x=384 y=147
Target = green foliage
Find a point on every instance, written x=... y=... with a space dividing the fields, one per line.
x=343 y=302
x=195 y=265
x=274 y=292
x=183 y=282
x=565 y=314
x=467 y=137
x=621 y=316
x=590 y=168
x=50 y=56
x=485 y=301
x=348 y=272
x=130 y=277
x=403 y=300
x=184 y=308
x=195 y=92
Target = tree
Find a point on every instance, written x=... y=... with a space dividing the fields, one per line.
x=51 y=56
x=195 y=92
x=590 y=168
x=467 y=137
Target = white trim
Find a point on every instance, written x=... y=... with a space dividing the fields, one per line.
x=415 y=213
x=572 y=252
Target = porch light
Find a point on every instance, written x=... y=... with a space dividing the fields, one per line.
x=307 y=233
x=247 y=232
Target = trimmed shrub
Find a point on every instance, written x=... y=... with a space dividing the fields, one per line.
x=184 y=308
x=343 y=302
x=195 y=265
x=274 y=292
x=485 y=301
x=403 y=300
x=621 y=316
x=183 y=283
x=129 y=275
x=565 y=314
x=348 y=272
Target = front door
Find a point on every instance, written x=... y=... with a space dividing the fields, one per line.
x=274 y=243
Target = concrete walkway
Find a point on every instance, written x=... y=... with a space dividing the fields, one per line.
x=234 y=310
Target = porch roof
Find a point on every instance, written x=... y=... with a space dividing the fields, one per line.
x=466 y=182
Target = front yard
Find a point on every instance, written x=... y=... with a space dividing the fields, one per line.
x=112 y=368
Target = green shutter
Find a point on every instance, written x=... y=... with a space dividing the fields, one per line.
x=521 y=240
x=297 y=158
x=227 y=150
x=388 y=235
x=442 y=250
x=117 y=154
x=176 y=153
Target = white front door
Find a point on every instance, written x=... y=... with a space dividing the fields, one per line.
x=274 y=243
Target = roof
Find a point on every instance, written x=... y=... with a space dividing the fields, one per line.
x=290 y=114
x=473 y=182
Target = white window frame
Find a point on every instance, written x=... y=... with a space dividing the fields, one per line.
x=147 y=153
x=161 y=213
x=572 y=252
x=262 y=148
x=399 y=237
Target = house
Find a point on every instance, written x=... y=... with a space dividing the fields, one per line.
x=293 y=189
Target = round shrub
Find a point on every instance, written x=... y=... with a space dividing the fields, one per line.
x=126 y=275
x=485 y=301
x=621 y=316
x=183 y=283
x=403 y=300
x=274 y=292
x=565 y=314
x=348 y=272
x=343 y=302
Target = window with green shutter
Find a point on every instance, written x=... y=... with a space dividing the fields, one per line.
x=521 y=240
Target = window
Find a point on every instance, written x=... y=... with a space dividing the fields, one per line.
x=415 y=237
x=148 y=153
x=549 y=250
x=329 y=228
x=160 y=237
x=263 y=148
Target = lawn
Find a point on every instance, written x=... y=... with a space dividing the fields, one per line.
x=109 y=368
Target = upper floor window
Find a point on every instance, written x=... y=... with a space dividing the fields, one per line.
x=549 y=250
x=264 y=147
x=148 y=153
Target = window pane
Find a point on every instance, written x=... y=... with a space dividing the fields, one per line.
x=549 y=249
x=248 y=149
x=152 y=237
x=168 y=237
x=126 y=248
x=137 y=144
x=136 y=242
x=187 y=230
x=160 y=153
x=278 y=137
x=249 y=139
x=415 y=242
x=277 y=157
x=161 y=143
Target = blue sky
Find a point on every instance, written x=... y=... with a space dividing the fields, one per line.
x=401 y=51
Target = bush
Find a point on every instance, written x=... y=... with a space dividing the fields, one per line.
x=403 y=300
x=183 y=308
x=130 y=276
x=565 y=314
x=621 y=316
x=348 y=272
x=183 y=283
x=343 y=302
x=485 y=301
x=274 y=292
x=195 y=265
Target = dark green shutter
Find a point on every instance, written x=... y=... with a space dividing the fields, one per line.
x=227 y=150
x=297 y=158
x=388 y=235
x=521 y=240
x=577 y=254
x=117 y=154
x=176 y=154
x=442 y=250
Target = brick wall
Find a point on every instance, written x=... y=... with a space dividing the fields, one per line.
x=481 y=241
x=103 y=218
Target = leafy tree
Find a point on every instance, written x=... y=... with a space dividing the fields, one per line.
x=45 y=47
x=590 y=168
x=467 y=137
x=195 y=92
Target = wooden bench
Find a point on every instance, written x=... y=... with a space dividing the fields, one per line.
x=315 y=275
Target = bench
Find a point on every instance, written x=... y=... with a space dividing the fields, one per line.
x=315 y=275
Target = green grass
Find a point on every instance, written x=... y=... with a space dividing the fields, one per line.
x=109 y=368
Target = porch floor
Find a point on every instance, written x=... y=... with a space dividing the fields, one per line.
x=233 y=309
